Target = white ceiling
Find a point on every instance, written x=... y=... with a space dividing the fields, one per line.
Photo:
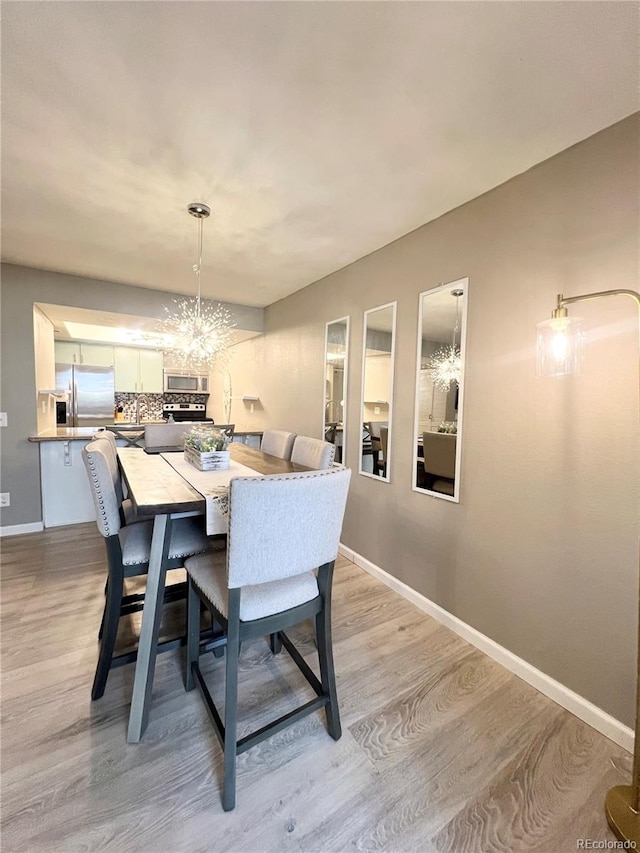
x=317 y=131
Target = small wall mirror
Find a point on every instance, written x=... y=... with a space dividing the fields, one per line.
x=378 y=353
x=439 y=389
x=336 y=365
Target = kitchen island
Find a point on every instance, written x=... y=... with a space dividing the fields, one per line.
x=66 y=498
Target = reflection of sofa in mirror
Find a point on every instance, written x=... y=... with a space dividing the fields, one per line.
x=439 y=461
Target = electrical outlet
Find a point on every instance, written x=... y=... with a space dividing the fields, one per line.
x=376 y=410
x=5 y=498
x=3 y=419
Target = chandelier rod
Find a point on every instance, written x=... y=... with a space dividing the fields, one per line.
x=198 y=267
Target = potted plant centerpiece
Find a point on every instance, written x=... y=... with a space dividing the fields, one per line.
x=206 y=448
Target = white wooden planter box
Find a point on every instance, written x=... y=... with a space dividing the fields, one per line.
x=214 y=460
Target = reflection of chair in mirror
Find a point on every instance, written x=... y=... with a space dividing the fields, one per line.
x=330 y=435
x=439 y=461
x=380 y=464
x=366 y=449
x=374 y=428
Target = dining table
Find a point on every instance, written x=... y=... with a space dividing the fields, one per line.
x=158 y=489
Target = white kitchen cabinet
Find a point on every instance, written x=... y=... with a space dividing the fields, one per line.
x=98 y=355
x=67 y=352
x=66 y=494
x=138 y=370
x=72 y=352
x=151 y=379
x=125 y=365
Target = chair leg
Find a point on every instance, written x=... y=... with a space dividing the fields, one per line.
x=217 y=631
x=275 y=643
x=325 y=652
x=109 y=631
x=106 y=589
x=231 y=701
x=193 y=634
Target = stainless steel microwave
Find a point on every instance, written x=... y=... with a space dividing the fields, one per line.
x=184 y=382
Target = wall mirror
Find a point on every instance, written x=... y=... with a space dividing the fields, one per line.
x=378 y=353
x=439 y=389
x=336 y=365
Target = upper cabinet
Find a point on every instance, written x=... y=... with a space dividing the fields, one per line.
x=72 y=352
x=138 y=370
x=151 y=363
x=135 y=370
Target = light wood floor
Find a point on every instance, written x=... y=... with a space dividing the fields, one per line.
x=442 y=750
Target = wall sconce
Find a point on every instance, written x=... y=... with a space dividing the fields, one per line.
x=560 y=346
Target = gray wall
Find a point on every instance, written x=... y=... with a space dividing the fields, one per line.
x=541 y=554
x=20 y=288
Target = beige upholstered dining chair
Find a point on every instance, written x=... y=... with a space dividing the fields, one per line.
x=313 y=452
x=128 y=549
x=263 y=584
x=277 y=442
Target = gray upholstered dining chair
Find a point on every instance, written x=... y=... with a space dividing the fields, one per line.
x=277 y=442
x=166 y=435
x=128 y=550
x=263 y=584
x=313 y=452
x=127 y=511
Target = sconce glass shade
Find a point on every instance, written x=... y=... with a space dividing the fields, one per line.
x=560 y=347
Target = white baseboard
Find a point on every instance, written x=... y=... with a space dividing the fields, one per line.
x=566 y=698
x=17 y=529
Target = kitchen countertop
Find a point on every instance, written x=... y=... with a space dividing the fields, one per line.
x=85 y=433
x=65 y=434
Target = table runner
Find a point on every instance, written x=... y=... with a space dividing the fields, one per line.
x=212 y=485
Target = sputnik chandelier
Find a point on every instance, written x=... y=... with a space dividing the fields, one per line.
x=197 y=333
x=446 y=364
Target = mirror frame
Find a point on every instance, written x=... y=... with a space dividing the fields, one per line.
x=345 y=382
x=461 y=283
x=394 y=306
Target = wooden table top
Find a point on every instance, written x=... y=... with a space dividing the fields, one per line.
x=156 y=488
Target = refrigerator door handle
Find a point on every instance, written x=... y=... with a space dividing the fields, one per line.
x=75 y=404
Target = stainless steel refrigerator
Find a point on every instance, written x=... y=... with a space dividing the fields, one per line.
x=90 y=394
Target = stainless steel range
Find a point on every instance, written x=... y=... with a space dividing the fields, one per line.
x=186 y=412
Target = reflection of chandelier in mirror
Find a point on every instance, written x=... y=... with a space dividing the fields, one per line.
x=197 y=333
x=446 y=364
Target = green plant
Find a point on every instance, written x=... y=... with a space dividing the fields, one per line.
x=206 y=439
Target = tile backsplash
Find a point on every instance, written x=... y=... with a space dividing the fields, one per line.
x=154 y=404
x=128 y=403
